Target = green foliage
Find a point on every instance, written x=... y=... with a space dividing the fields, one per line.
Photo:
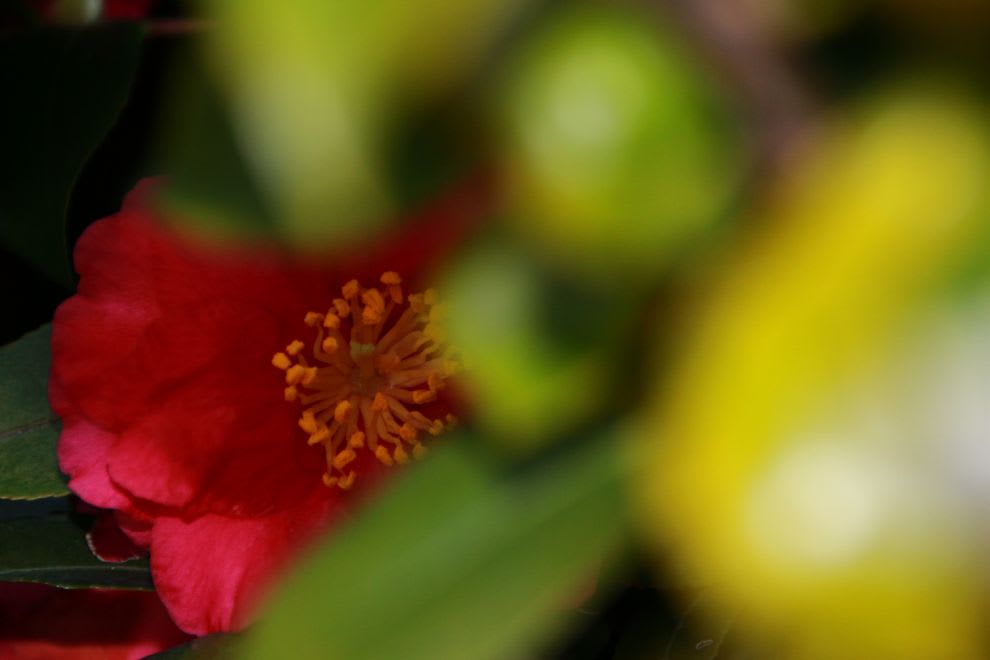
x=28 y=428
x=538 y=357
x=211 y=190
x=314 y=97
x=453 y=563
x=617 y=149
x=53 y=550
x=60 y=99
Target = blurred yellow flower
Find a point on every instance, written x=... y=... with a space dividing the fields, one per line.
x=782 y=466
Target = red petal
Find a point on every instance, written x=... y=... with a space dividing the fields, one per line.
x=108 y=541
x=82 y=454
x=136 y=526
x=213 y=571
x=204 y=453
x=220 y=438
x=134 y=274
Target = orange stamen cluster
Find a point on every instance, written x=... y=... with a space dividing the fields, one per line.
x=379 y=354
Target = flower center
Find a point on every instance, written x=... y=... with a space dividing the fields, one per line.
x=379 y=355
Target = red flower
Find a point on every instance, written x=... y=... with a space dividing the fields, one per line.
x=175 y=418
x=38 y=622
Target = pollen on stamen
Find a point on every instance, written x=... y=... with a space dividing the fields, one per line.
x=365 y=400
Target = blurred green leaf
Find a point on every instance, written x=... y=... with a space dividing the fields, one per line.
x=618 y=151
x=453 y=563
x=540 y=355
x=54 y=551
x=60 y=99
x=317 y=95
x=28 y=427
x=211 y=647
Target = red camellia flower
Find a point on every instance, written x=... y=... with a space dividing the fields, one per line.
x=38 y=622
x=193 y=408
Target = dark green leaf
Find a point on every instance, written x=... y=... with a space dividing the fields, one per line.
x=62 y=90
x=53 y=550
x=452 y=563
x=42 y=508
x=209 y=184
x=28 y=428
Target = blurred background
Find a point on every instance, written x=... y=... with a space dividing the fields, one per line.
x=725 y=320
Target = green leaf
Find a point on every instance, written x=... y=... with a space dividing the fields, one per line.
x=210 y=187
x=54 y=551
x=63 y=90
x=452 y=563
x=41 y=508
x=211 y=647
x=28 y=427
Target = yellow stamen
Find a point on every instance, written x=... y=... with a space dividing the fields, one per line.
x=350 y=290
x=423 y=396
x=365 y=399
x=308 y=422
x=388 y=362
x=345 y=483
x=382 y=454
x=372 y=316
x=294 y=374
x=407 y=432
x=322 y=435
x=395 y=293
x=341 y=411
x=341 y=460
